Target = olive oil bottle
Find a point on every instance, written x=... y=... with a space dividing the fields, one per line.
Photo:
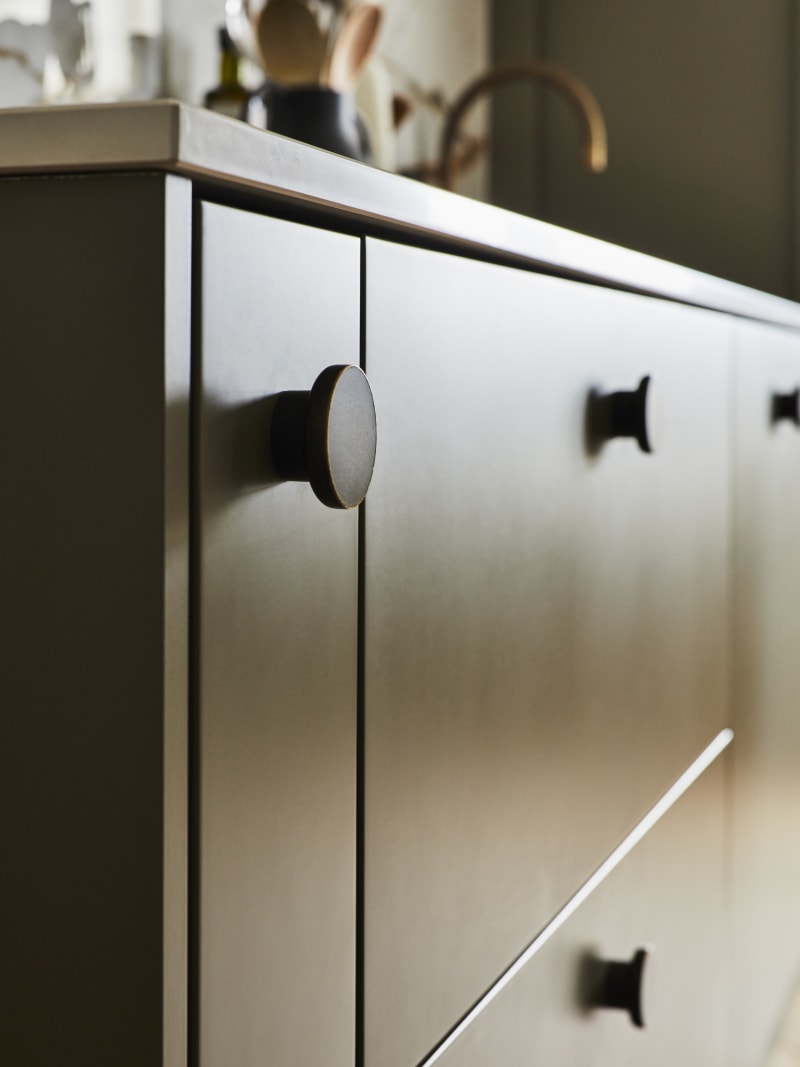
x=230 y=97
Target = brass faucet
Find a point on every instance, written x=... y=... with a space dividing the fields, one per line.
x=595 y=151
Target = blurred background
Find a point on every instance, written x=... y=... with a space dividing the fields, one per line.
x=699 y=97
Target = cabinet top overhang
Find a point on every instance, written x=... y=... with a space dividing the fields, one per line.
x=227 y=158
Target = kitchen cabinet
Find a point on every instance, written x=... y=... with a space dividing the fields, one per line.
x=663 y=900
x=288 y=783
x=545 y=616
x=276 y=656
x=765 y=788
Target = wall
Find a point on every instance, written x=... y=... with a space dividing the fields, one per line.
x=700 y=98
x=190 y=28
x=96 y=48
x=438 y=48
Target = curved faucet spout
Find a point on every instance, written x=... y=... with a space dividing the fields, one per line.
x=595 y=150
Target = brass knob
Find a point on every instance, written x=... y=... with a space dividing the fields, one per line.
x=618 y=984
x=786 y=407
x=327 y=436
x=633 y=414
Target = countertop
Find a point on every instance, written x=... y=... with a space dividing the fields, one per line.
x=230 y=159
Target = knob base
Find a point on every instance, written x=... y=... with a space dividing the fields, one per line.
x=624 y=414
x=327 y=436
x=616 y=984
x=786 y=407
x=288 y=436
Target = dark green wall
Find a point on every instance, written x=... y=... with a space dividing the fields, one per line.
x=700 y=99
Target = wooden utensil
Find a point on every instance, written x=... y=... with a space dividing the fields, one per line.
x=353 y=46
x=291 y=42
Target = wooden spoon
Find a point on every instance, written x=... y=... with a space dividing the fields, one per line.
x=291 y=43
x=353 y=46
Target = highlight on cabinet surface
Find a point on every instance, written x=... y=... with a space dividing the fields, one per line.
x=546 y=596
x=277 y=603
x=765 y=800
x=636 y=976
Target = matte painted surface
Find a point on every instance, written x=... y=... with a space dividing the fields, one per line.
x=666 y=897
x=766 y=796
x=545 y=628
x=94 y=468
x=627 y=992
x=276 y=714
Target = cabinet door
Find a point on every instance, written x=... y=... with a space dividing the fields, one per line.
x=664 y=898
x=545 y=622
x=276 y=658
x=766 y=793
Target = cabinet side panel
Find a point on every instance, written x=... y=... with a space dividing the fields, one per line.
x=82 y=441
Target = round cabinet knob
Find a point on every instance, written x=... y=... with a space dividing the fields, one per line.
x=786 y=407
x=327 y=436
x=633 y=414
x=619 y=984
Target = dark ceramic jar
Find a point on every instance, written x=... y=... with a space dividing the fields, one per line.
x=317 y=116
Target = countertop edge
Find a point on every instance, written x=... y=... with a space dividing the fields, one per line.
x=176 y=138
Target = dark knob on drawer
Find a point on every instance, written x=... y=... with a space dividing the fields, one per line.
x=327 y=436
x=618 y=984
x=628 y=414
x=786 y=407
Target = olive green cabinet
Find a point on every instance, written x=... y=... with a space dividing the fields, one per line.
x=661 y=910
x=765 y=799
x=295 y=785
x=546 y=595
x=275 y=694
x=94 y=694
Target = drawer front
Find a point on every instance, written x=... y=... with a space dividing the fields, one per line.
x=766 y=786
x=664 y=898
x=276 y=588
x=545 y=638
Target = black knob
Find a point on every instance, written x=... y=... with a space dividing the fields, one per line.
x=327 y=436
x=626 y=414
x=619 y=984
x=786 y=407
